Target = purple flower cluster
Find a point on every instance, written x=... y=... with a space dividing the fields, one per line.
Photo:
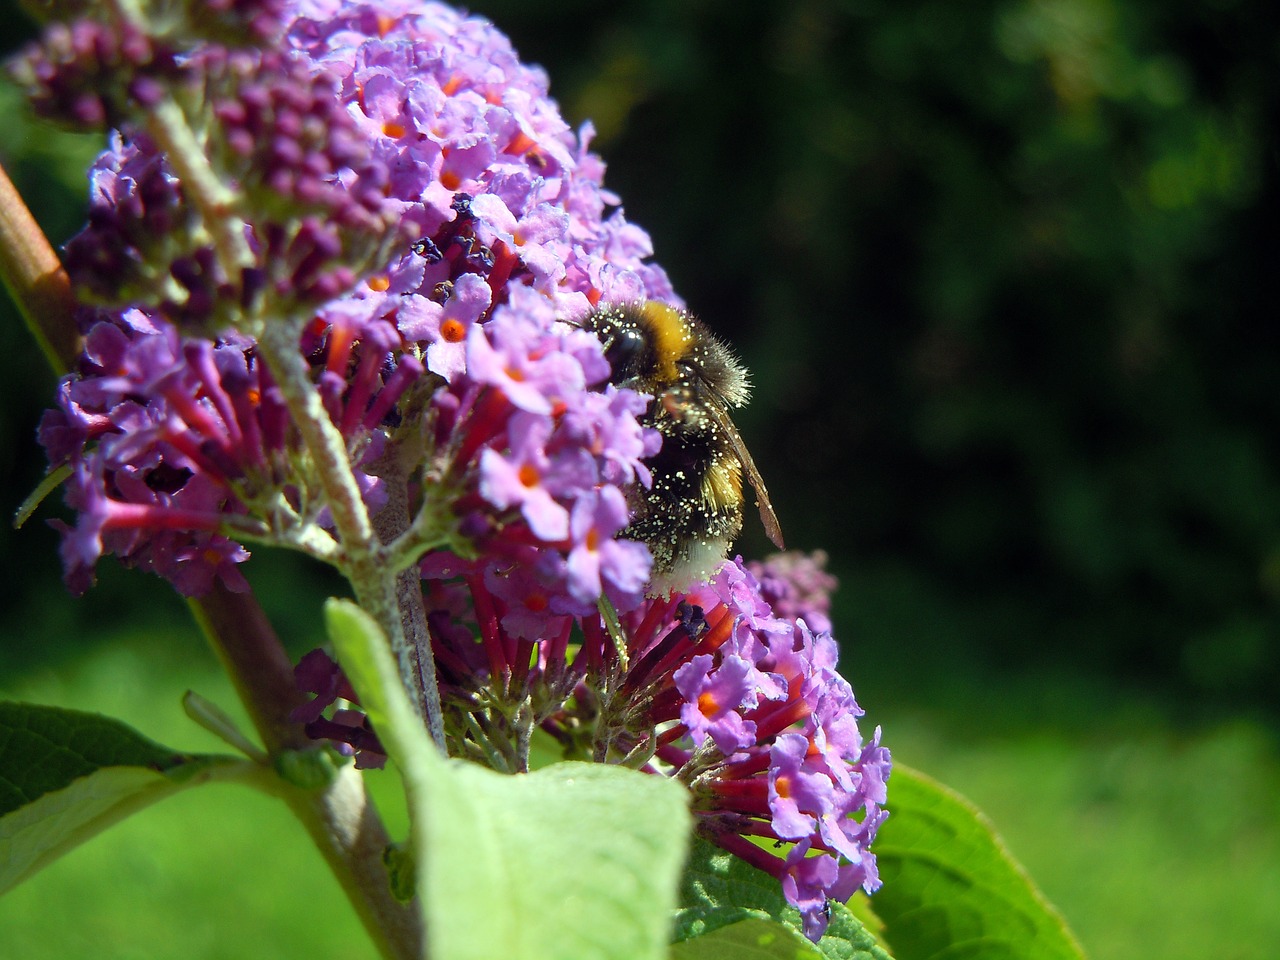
x=500 y=191
x=299 y=164
x=797 y=587
x=86 y=71
x=536 y=453
x=743 y=706
x=754 y=717
x=347 y=729
x=135 y=207
x=176 y=442
x=81 y=72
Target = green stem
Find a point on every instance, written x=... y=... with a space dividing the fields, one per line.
x=431 y=529
x=201 y=186
x=390 y=522
x=376 y=583
x=340 y=818
x=388 y=598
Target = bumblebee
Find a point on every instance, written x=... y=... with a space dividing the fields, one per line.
x=692 y=511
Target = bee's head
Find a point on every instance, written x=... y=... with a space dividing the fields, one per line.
x=644 y=342
x=624 y=331
x=627 y=351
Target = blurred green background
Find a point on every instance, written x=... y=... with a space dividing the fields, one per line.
x=1004 y=273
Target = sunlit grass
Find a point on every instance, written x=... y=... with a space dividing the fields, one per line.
x=1153 y=845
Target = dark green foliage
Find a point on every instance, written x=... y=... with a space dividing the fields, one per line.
x=45 y=749
x=1001 y=272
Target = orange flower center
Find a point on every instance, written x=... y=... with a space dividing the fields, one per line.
x=783 y=786
x=453 y=330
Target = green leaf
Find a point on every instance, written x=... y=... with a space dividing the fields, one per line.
x=951 y=889
x=65 y=776
x=725 y=902
x=575 y=860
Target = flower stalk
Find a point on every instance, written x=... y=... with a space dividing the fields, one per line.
x=36 y=280
x=340 y=818
x=392 y=525
x=361 y=554
x=202 y=187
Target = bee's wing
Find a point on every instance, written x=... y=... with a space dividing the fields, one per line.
x=772 y=528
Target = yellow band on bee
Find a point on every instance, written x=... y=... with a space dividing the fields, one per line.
x=722 y=484
x=670 y=332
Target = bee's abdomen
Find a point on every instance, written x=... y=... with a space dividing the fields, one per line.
x=694 y=507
